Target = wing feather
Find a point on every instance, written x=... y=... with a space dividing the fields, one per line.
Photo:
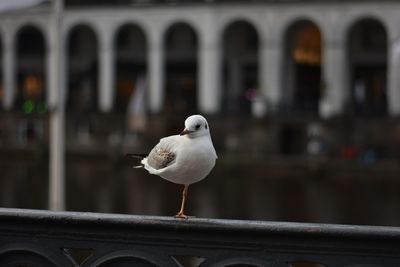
x=161 y=155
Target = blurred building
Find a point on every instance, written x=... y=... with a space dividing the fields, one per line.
x=303 y=98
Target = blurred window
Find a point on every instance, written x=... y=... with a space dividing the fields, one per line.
x=131 y=55
x=82 y=69
x=240 y=68
x=303 y=67
x=180 y=46
x=367 y=47
x=31 y=65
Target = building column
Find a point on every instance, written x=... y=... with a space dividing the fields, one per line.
x=209 y=94
x=393 y=91
x=56 y=88
x=55 y=70
x=9 y=70
x=155 y=75
x=335 y=85
x=106 y=76
x=270 y=73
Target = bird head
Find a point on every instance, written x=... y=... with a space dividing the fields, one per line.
x=195 y=126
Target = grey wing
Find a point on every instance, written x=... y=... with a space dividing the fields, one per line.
x=160 y=156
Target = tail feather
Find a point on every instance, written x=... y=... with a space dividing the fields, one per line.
x=137 y=156
x=138 y=166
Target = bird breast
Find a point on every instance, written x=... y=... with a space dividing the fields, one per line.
x=195 y=162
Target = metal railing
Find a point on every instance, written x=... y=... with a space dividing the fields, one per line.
x=33 y=238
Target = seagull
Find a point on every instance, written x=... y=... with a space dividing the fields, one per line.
x=183 y=159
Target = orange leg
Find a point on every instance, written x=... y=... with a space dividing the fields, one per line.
x=181 y=213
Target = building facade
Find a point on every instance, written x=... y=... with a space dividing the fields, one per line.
x=225 y=49
x=289 y=74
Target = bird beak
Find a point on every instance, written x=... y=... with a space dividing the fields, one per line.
x=185 y=131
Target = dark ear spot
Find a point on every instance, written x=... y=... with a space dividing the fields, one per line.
x=206 y=126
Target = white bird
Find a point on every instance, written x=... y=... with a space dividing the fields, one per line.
x=183 y=159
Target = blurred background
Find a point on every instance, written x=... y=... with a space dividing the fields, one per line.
x=302 y=99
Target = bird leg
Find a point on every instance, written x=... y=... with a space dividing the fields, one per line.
x=181 y=213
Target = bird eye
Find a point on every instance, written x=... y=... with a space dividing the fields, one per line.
x=197 y=126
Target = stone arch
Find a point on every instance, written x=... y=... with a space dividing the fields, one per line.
x=130 y=50
x=20 y=257
x=40 y=25
x=20 y=253
x=250 y=20
x=302 y=75
x=180 y=45
x=367 y=50
x=240 y=46
x=82 y=22
x=189 y=22
x=82 y=45
x=30 y=69
x=131 y=258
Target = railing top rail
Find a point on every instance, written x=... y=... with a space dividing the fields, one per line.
x=197 y=224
